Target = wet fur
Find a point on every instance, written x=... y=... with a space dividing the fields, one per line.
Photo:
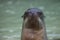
x=33 y=28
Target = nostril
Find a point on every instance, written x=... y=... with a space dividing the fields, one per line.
x=34 y=14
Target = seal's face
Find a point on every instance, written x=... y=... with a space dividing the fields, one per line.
x=33 y=16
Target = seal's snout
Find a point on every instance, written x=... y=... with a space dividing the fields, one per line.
x=32 y=15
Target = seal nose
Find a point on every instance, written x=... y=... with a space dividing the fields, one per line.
x=33 y=16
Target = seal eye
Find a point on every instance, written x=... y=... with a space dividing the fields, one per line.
x=40 y=13
x=25 y=14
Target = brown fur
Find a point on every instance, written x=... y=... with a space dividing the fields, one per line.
x=32 y=30
x=29 y=34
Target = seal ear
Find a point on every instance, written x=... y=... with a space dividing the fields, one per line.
x=25 y=14
x=22 y=16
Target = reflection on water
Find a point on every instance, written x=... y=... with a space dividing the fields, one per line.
x=11 y=21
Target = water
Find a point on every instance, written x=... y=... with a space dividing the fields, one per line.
x=11 y=20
